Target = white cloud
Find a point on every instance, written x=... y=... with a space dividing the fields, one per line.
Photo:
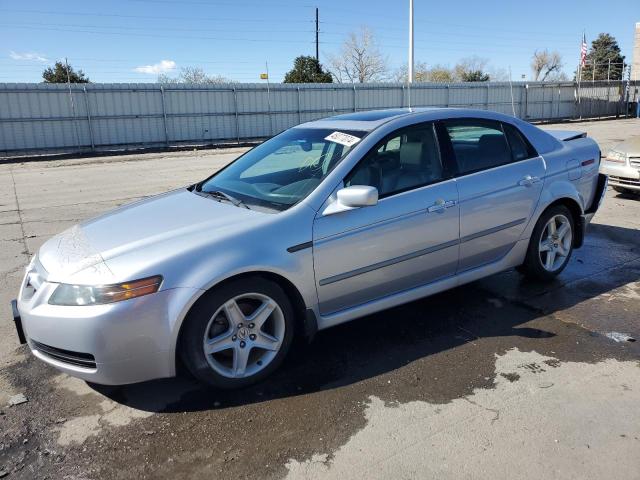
x=162 y=67
x=30 y=56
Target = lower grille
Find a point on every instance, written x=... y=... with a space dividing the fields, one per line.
x=624 y=181
x=78 y=359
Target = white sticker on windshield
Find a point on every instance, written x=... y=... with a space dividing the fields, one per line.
x=343 y=139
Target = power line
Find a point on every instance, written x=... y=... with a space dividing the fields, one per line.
x=152 y=35
x=431 y=32
x=499 y=48
x=79 y=25
x=151 y=17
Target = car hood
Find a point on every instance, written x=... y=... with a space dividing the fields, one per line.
x=629 y=147
x=175 y=217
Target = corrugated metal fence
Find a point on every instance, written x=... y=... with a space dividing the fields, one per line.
x=53 y=118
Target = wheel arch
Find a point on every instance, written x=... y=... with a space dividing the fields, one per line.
x=576 y=214
x=305 y=320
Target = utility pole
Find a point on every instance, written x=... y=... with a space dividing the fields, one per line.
x=410 y=62
x=410 y=41
x=317 y=36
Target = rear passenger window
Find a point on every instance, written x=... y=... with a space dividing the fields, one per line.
x=406 y=159
x=520 y=148
x=478 y=144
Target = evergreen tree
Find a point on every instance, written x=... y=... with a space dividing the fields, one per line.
x=307 y=69
x=603 y=49
x=58 y=74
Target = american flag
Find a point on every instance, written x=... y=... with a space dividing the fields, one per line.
x=583 y=51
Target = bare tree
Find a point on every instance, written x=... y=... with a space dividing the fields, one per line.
x=194 y=75
x=440 y=74
x=498 y=74
x=420 y=73
x=360 y=59
x=546 y=65
x=471 y=69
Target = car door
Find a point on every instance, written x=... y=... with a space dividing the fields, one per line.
x=500 y=178
x=409 y=238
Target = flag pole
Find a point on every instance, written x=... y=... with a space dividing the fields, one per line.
x=582 y=43
x=410 y=62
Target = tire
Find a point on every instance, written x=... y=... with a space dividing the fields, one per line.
x=538 y=265
x=247 y=325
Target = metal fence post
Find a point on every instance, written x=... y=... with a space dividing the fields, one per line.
x=164 y=117
x=486 y=103
x=448 y=94
x=269 y=110
x=235 y=108
x=333 y=97
x=299 y=112
x=526 y=102
x=355 y=99
x=86 y=105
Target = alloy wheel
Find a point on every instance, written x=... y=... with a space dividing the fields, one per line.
x=244 y=335
x=555 y=243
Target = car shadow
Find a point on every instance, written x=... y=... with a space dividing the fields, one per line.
x=499 y=306
x=628 y=195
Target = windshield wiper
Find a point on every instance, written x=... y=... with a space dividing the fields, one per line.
x=217 y=194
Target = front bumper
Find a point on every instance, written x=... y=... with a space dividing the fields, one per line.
x=115 y=344
x=621 y=175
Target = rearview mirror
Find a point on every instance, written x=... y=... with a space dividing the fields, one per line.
x=355 y=196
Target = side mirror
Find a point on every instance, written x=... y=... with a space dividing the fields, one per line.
x=355 y=196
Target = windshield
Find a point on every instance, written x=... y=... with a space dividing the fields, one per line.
x=285 y=169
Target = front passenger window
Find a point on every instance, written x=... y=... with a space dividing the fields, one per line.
x=406 y=159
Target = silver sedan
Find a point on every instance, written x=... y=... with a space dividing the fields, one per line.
x=324 y=223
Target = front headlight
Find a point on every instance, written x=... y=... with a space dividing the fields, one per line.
x=68 y=295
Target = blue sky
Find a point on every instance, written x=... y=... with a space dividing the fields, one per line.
x=128 y=40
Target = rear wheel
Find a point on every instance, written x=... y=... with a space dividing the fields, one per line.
x=238 y=334
x=551 y=244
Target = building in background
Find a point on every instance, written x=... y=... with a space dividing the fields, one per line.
x=635 y=67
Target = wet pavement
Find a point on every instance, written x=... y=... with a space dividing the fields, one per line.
x=500 y=378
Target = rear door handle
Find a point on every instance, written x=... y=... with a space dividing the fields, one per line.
x=528 y=181
x=441 y=205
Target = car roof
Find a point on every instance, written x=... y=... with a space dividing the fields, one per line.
x=369 y=120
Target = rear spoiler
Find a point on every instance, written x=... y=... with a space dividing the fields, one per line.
x=566 y=135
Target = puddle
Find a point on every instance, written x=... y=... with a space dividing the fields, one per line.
x=619 y=337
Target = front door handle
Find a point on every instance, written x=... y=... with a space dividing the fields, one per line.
x=528 y=181
x=441 y=205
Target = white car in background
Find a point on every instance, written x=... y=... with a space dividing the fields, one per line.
x=622 y=164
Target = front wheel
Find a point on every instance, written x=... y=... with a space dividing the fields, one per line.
x=551 y=244
x=237 y=334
